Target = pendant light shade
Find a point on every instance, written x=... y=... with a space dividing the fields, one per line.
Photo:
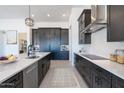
x=29 y=21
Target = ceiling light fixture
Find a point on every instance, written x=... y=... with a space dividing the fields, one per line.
x=63 y=15
x=48 y=15
x=29 y=21
x=32 y=15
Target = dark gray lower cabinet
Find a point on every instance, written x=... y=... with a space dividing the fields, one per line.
x=100 y=77
x=83 y=68
x=117 y=82
x=14 y=82
x=43 y=67
x=94 y=76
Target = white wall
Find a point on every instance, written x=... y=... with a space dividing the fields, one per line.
x=73 y=33
x=13 y=24
x=1 y=43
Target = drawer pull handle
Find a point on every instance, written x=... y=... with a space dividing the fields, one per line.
x=31 y=69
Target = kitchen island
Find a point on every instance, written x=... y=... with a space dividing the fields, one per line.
x=9 y=70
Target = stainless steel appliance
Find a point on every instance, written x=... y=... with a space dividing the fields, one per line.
x=31 y=51
x=30 y=76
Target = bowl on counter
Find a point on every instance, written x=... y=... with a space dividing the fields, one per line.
x=6 y=60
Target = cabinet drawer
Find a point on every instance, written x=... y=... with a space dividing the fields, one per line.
x=13 y=81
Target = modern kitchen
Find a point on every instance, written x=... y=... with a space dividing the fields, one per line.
x=61 y=46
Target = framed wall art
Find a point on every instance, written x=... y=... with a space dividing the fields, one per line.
x=11 y=37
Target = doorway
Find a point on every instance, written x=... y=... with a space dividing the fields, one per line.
x=22 y=42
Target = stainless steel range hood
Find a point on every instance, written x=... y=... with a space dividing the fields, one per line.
x=98 y=19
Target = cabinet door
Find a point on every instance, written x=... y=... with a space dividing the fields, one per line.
x=105 y=83
x=36 y=37
x=85 y=38
x=64 y=37
x=64 y=55
x=55 y=43
x=83 y=68
x=115 y=23
x=43 y=67
x=43 y=35
x=40 y=72
x=106 y=78
x=117 y=82
x=55 y=39
x=83 y=21
x=15 y=81
x=96 y=80
x=100 y=78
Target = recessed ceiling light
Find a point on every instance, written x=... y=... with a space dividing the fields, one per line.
x=63 y=15
x=48 y=15
x=32 y=15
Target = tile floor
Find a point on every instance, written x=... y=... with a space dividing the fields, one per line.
x=62 y=75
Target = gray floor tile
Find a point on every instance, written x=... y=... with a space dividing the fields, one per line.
x=62 y=75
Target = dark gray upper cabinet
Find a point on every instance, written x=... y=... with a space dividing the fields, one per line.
x=83 y=21
x=35 y=37
x=54 y=39
x=50 y=40
x=64 y=37
x=115 y=18
x=43 y=35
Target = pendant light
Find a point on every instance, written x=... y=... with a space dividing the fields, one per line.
x=29 y=21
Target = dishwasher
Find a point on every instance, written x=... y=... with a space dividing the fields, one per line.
x=30 y=76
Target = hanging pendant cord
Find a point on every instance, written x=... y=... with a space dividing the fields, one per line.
x=29 y=11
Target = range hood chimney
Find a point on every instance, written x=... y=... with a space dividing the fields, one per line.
x=98 y=19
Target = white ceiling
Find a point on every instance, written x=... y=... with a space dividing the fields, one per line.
x=39 y=11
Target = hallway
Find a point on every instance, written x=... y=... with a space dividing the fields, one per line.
x=62 y=75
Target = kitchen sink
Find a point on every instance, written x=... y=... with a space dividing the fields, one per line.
x=94 y=57
x=32 y=57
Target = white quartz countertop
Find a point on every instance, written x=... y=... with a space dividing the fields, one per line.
x=9 y=70
x=113 y=67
